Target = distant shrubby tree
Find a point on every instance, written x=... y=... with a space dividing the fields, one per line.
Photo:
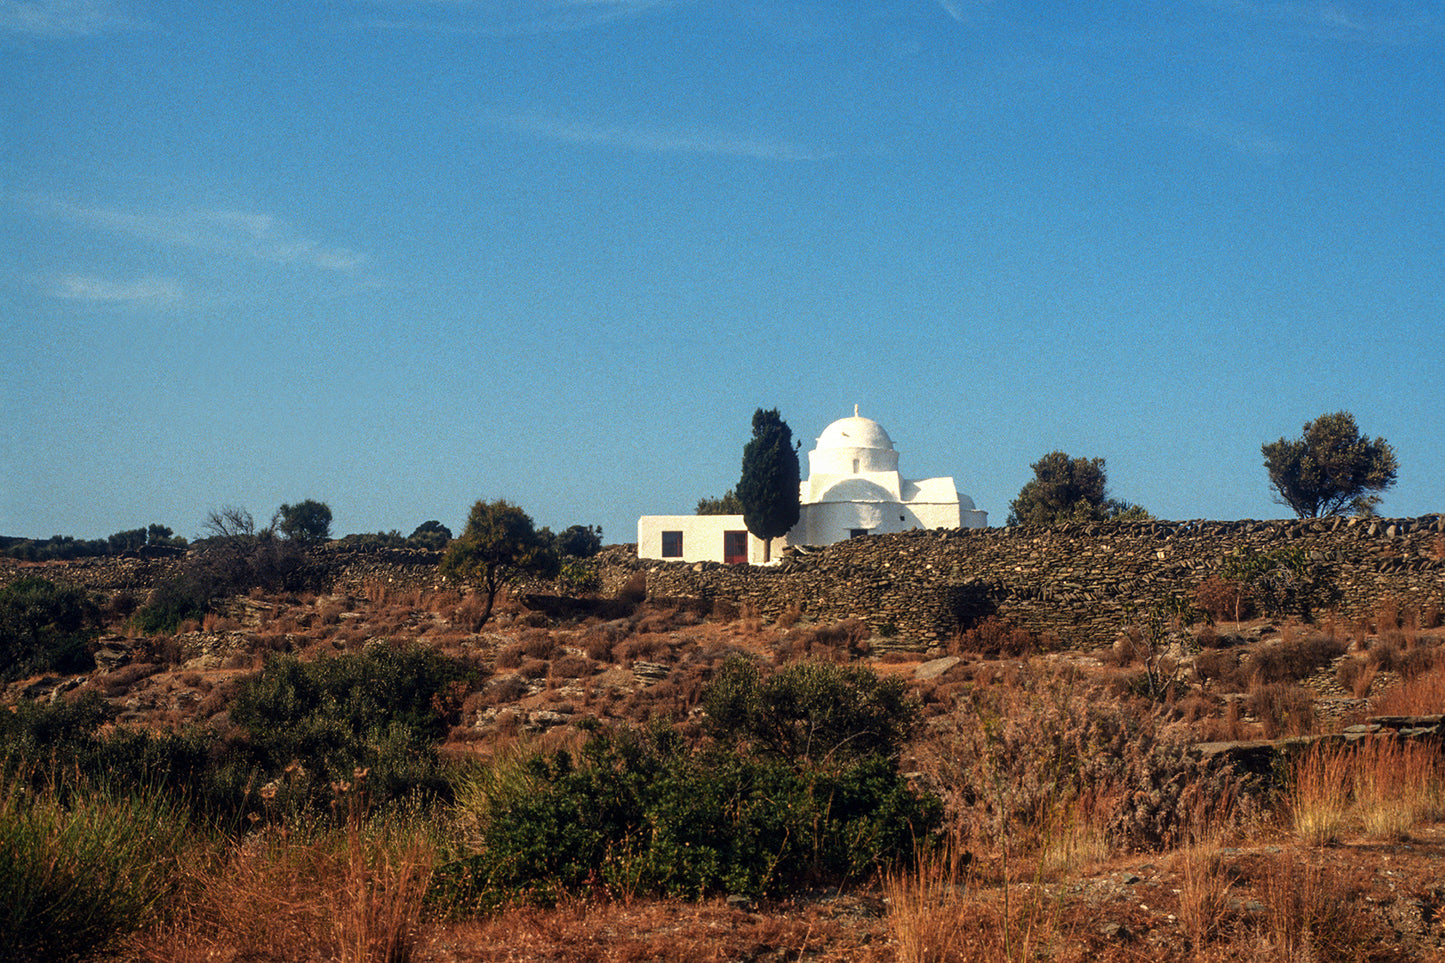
x=430 y=534
x=727 y=504
x=371 y=541
x=160 y=536
x=131 y=541
x=308 y=521
x=45 y=627
x=1067 y=489
x=1330 y=469
x=768 y=488
x=231 y=559
x=579 y=541
x=62 y=547
x=499 y=545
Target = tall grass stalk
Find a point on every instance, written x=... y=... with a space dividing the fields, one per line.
x=82 y=869
x=1396 y=786
x=1319 y=794
x=927 y=915
x=342 y=895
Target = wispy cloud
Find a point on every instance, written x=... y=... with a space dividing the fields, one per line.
x=148 y=291
x=505 y=17
x=1251 y=143
x=662 y=141
x=1377 y=21
x=61 y=18
x=241 y=234
x=961 y=11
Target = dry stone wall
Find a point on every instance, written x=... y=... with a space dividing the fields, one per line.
x=1077 y=582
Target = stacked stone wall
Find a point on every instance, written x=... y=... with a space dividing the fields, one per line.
x=1076 y=583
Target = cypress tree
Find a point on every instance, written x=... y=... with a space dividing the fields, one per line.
x=768 y=488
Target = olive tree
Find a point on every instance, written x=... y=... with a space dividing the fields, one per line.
x=308 y=521
x=768 y=488
x=1330 y=469
x=499 y=545
x=725 y=504
x=1066 y=489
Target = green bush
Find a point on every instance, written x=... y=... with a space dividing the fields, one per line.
x=810 y=710
x=801 y=788
x=309 y=724
x=637 y=812
x=45 y=627
x=77 y=875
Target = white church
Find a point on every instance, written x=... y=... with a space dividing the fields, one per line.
x=853 y=488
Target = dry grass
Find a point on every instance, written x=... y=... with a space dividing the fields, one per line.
x=1319 y=794
x=639 y=931
x=1310 y=915
x=1380 y=787
x=350 y=896
x=1422 y=695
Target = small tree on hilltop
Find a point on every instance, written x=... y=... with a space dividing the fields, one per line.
x=430 y=534
x=579 y=541
x=309 y=521
x=768 y=488
x=1330 y=468
x=1067 y=489
x=727 y=504
x=499 y=545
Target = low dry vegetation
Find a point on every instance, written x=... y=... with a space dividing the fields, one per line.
x=368 y=777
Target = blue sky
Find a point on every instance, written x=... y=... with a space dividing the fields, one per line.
x=400 y=255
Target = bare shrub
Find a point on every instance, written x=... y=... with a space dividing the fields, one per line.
x=1297 y=655
x=1224 y=599
x=1220 y=666
x=1355 y=675
x=634 y=590
x=532 y=668
x=789 y=616
x=537 y=644
x=838 y=641
x=503 y=690
x=509 y=656
x=724 y=610
x=598 y=643
x=572 y=667
x=1282 y=709
x=1417 y=661
x=995 y=638
x=1016 y=754
x=471 y=613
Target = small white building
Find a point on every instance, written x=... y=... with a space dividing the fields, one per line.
x=853 y=488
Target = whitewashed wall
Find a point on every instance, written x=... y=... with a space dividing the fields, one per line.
x=702 y=537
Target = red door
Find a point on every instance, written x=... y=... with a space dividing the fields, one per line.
x=735 y=547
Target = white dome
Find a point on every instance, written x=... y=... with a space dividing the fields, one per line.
x=854 y=432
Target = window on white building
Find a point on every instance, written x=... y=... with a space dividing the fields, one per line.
x=672 y=544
